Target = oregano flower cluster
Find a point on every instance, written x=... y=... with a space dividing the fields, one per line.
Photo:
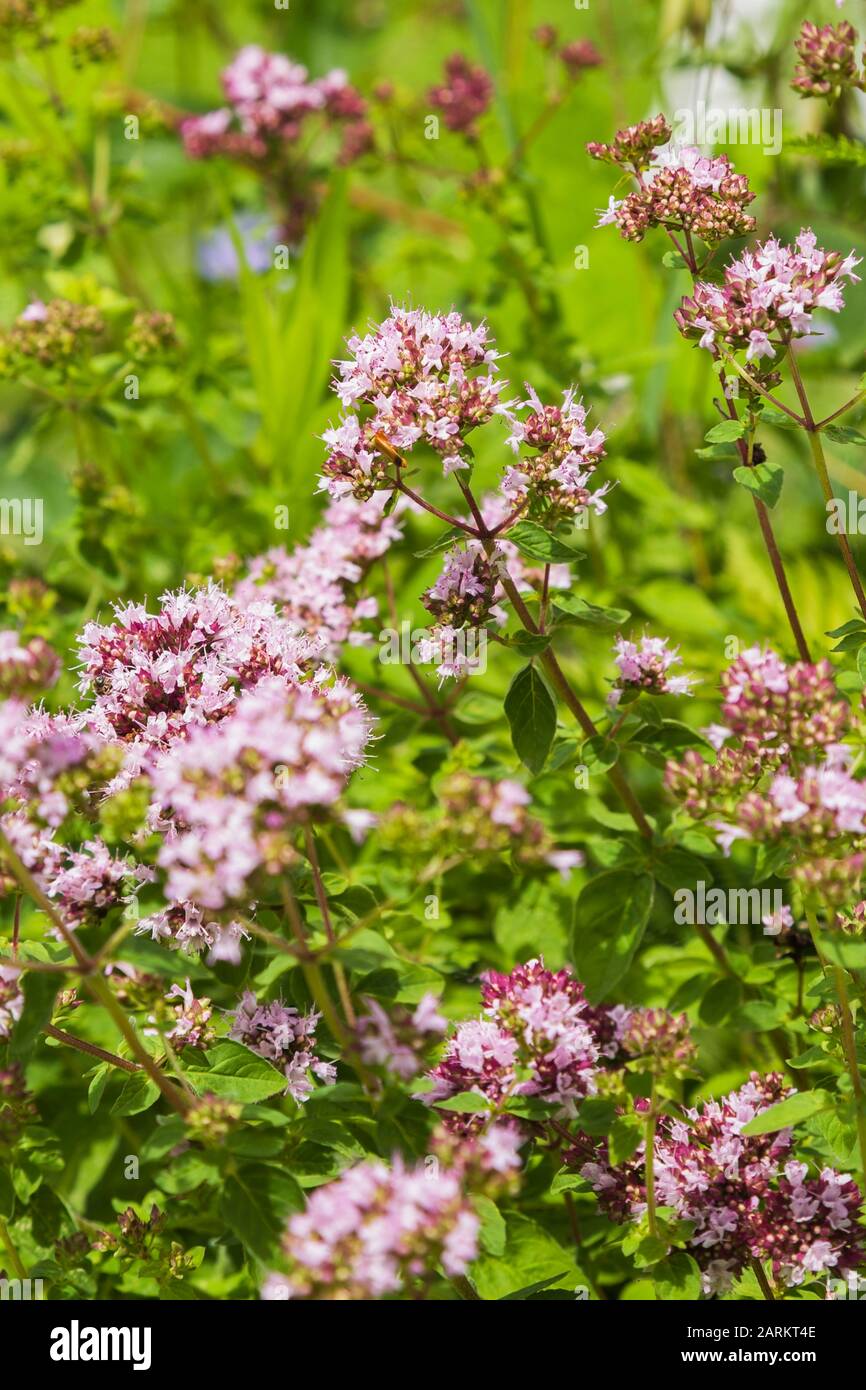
x=828 y=62
x=744 y=1198
x=423 y=377
x=768 y=297
x=271 y=103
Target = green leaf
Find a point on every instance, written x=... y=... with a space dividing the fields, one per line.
x=847 y=951
x=726 y=431
x=764 y=480
x=98 y=1083
x=835 y=1138
x=535 y=1290
x=677 y=1277
x=597 y=1115
x=566 y=1180
x=844 y=434
x=529 y=643
x=537 y=544
x=609 y=922
x=649 y=1250
x=40 y=991
x=770 y=861
x=531 y=714
x=170 y=1131
x=476 y=707
x=851 y=642
x=719 y=1000
x=599 y=754
x=568 y=608
x=492 y=1233
x=718 y=453
x=623 y=1139
x=187 y=1171
x=532 y=1260
x=760 y=1015
x=812 y=1057
x=800 y=1106
x=677 y=868
x=231 y=1071
x=255 y=1203
x=256 y=1142
x=138 y=1093
x=466 y=1103
x=771 y=416
x=532 y=923
x=671 y=737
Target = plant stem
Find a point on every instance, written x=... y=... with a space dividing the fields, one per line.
x=564 y=690
x=89 y=1048
x=101 y=990
x=770 y=545
x=46 y=966
x=97 y=984
x=814 y=932
x=173 y=1062
x=312 y=971
x=844 y=544
x=768 y=396
x=574 y=1226
x=716 y=950
x=322 y=900
x=820 y=463
x=761 y=512
x=843 y=410
x=428 y=507
x=434 y=708
x=849 y=1047
x=758 y=1271
x=549 y=661
x=849 y=1041
x=106 y=951
x=377 y=693
x=545 y=595
x=781 y=578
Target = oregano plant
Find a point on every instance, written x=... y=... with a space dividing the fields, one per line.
x=432 y=653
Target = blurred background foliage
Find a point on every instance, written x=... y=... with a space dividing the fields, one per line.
x=195 y=467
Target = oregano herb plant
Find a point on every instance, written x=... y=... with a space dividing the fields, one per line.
x=432 y=652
